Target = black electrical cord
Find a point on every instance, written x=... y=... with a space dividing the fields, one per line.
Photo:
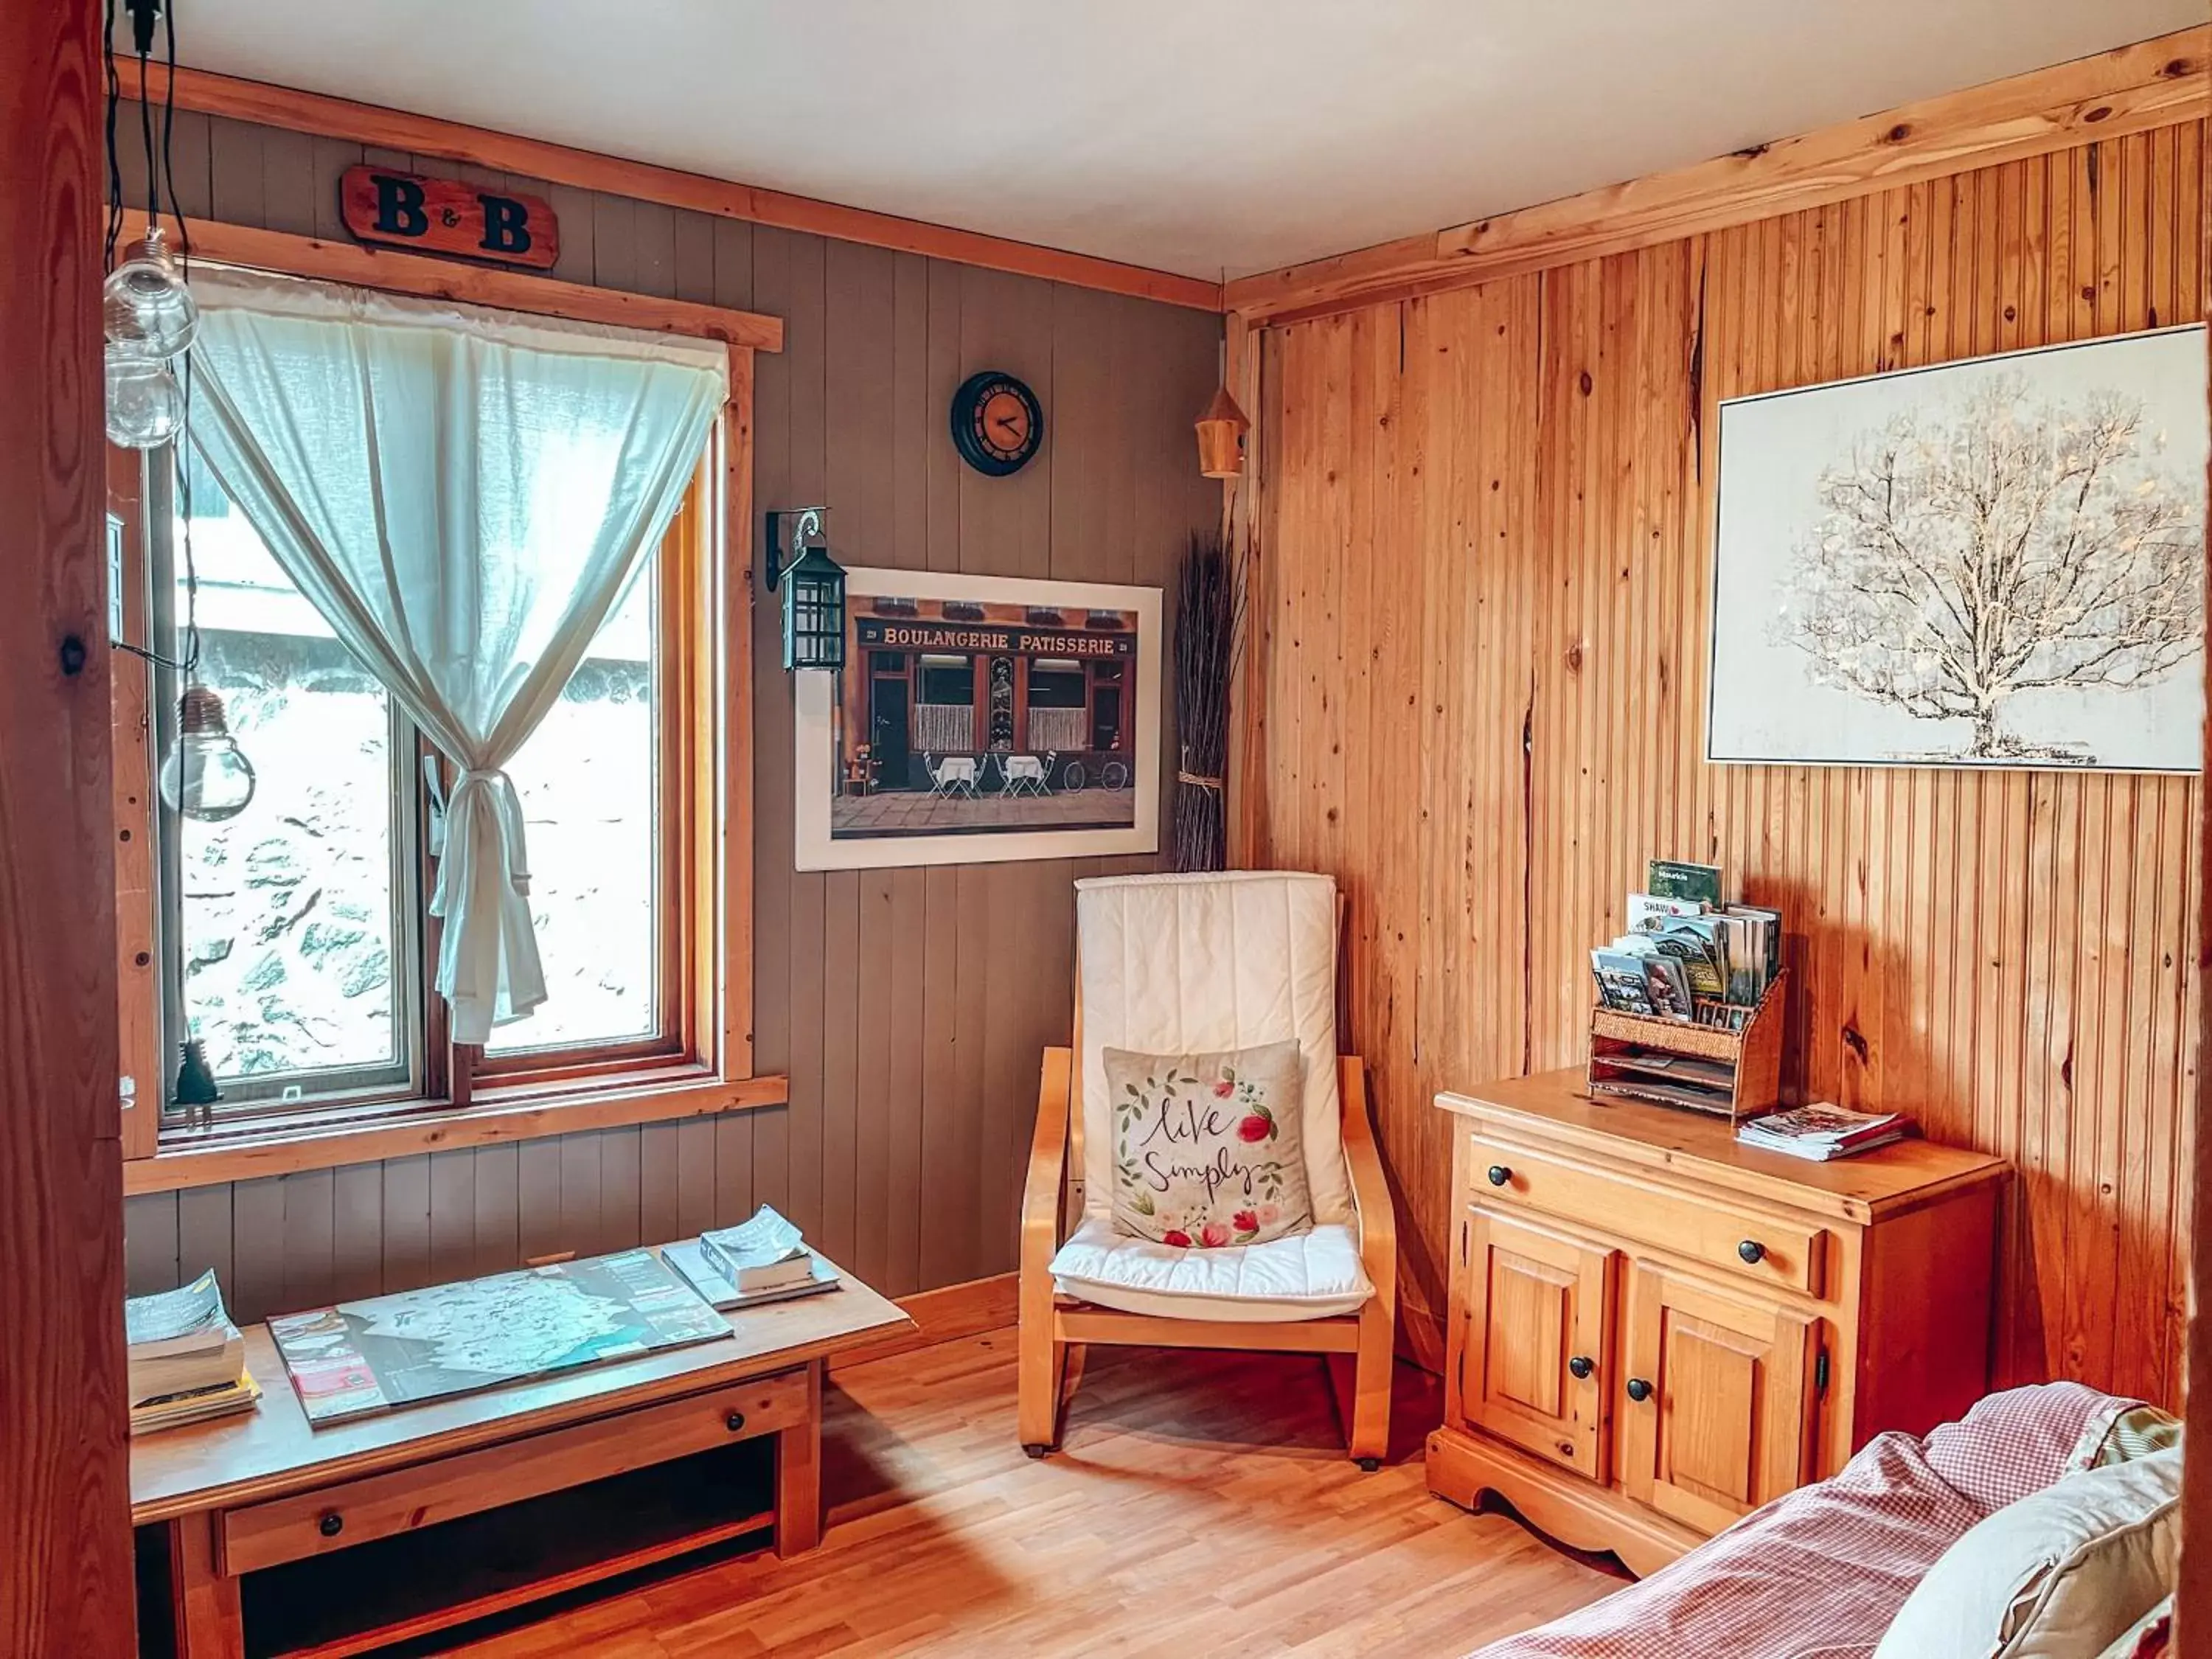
x=114 y=159
x=160 y=176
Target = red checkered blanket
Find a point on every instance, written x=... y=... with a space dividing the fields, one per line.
x=1819 y=1573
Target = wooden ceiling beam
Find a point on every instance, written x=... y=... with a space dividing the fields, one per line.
x=561 y=164
x=2155 y=83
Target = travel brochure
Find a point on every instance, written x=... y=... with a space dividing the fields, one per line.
x=1687 y=955
x=1822 y=1130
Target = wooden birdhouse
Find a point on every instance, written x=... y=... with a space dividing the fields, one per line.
x=1221 y=432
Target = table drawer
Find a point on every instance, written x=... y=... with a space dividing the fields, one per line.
x=1752 y=1245
x=335 y=1518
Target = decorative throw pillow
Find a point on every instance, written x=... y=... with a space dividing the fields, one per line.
x=1206 y=1147
x=2059 y=1575
x=2151 y=1637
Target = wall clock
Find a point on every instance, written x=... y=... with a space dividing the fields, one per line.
x=997 y=422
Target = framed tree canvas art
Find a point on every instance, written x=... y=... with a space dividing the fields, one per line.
x=1993 y=563
x=979 y=719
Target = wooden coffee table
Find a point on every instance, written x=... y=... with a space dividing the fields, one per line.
x=549 y=1484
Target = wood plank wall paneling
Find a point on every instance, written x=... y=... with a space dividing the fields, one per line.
x=1484 y=660
x=908 y=1007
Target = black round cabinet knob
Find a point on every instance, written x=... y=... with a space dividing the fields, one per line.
x=1752 y=1251
x=1638 y=1389
x=1581 y=1367
x=734 y=1422
x=332 y=1524
x=1500 y=1175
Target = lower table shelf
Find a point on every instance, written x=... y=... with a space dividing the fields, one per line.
x=376 y=1595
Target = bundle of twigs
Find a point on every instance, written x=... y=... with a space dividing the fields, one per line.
x=1207 y=629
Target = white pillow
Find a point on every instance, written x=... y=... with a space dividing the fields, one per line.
x=2059 y=1575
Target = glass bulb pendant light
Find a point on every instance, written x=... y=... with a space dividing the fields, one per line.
x=205 y=776
x=146 y=308
x=145 y=407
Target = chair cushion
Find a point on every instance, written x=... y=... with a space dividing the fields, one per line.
x=1310 y=1275
x=1209 y=1149
x=1185 y=965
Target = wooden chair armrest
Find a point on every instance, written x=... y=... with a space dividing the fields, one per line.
x=1378 y=1222
x=1041 y=1192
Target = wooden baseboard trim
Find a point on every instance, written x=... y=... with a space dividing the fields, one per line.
x=1461 y=1468
x=944 y=1314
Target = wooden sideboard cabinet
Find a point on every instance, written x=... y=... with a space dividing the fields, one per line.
x=1653 y=1330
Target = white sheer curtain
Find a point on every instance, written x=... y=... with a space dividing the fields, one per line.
x=462 y=494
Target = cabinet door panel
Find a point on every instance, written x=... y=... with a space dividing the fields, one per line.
x=1539 y=1306
x=1727 y=1422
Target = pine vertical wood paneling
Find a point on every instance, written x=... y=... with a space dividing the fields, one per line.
x=1483 y=649
x=908 y=1007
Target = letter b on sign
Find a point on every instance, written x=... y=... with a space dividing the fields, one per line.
x=506 y=225
x=399 y=206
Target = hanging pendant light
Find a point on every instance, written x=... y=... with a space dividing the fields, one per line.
x=205 y=776
x=146 y=308
x=145 y=408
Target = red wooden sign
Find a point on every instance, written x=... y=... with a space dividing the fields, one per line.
x=443 y=216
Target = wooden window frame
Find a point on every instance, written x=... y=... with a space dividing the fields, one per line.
x=702 y=1061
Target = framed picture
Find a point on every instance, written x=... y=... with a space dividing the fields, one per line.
x=980 y=718
x=1996 y=562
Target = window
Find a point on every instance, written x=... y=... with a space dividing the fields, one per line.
x=296 y=940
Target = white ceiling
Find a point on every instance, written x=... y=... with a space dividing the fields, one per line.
x=1195 y=136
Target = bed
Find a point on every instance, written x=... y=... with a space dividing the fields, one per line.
x=1819 y=1573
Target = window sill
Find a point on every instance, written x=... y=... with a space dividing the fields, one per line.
x=206 y=1157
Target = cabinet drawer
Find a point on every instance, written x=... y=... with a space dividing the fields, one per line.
x=378 y=1505
x=1747 y=1244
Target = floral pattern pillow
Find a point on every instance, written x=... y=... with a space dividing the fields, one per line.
x=1207 y=1150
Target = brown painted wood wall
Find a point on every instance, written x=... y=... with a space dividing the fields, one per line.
x=1487 y=531
x=909 y=1007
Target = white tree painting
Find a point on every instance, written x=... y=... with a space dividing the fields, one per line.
x=1995 y=563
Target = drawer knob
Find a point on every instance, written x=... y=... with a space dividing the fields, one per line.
x=1582 y=1366
x=1638 y=1389
x=1500 y=1175
x=1752 y=1251
x=735 y=1422
x=332 y=1524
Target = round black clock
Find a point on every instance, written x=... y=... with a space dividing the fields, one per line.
x=997 y=422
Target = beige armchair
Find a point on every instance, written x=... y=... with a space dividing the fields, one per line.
x=1184 y=965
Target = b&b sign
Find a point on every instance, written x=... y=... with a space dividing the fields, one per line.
x=444 y=215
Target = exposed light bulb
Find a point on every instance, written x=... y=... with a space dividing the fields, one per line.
x=145 y=407
x=146 y=308
x=205 y=776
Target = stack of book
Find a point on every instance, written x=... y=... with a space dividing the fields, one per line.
x=1822 y=1131
x=186 y=1360
x=1687 y=955
x=760 y=1261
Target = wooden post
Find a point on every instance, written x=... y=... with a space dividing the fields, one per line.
x=64 y=1496
x=2193 y=1597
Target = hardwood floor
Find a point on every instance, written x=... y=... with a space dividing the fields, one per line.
x=1202 y=1503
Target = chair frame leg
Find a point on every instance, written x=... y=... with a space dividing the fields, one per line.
x=1039 y=1377
x=1368 y=1429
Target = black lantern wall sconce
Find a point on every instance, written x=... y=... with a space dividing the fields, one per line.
x=813 y=591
